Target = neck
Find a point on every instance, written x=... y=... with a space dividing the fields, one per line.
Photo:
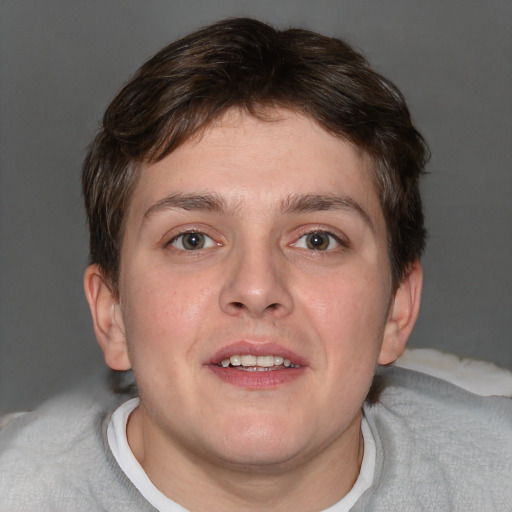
x=304 y=484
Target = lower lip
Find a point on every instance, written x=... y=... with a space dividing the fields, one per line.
x=257 y=379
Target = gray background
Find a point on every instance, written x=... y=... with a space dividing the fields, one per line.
x=61 y=63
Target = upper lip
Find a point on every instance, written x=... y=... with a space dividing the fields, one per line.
x=256 y=349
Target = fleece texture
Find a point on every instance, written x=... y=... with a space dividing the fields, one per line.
x=439 y=448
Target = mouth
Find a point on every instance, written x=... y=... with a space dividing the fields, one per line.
x=253 y=363
x=257 y=365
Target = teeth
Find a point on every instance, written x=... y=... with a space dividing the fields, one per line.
x=234 y=360
x=263 y=362
x=248 y=360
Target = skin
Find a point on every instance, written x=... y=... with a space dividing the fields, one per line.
x=274 y=444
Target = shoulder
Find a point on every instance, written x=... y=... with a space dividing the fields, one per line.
x=56 y=457
x=442 y=445
x=60 y=426
x=431 y=398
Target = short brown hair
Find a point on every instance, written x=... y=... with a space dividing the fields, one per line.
x=246 y=64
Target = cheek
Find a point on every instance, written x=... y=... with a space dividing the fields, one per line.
x=165 y=312
x=350 y=300
x=349 y=313
x=163 y=324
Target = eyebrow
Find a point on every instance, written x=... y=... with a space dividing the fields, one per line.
x=318 y=203
x=297 y=203
x=189 y=202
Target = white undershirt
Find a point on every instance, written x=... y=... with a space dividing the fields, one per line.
x=118 y=442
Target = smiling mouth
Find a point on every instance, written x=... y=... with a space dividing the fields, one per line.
x=250 y=363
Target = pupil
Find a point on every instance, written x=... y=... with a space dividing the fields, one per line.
x=193 y=241
x=317 y=241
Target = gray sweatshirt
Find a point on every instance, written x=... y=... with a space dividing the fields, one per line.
x=439 y=448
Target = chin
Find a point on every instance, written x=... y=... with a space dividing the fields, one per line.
x=261 y=460
x=262 y=443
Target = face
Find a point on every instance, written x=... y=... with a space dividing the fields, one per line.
x=255 y=292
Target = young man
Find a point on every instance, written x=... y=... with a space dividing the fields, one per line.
x=256 y=229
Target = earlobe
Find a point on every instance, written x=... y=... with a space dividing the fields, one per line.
x=402 y=315
x=107 y=319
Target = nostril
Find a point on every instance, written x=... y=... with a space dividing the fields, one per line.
x=240 y=306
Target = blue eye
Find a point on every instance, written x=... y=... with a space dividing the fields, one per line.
x=192 y=241
x=318 y=241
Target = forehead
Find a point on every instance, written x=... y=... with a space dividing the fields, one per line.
x=253 y=161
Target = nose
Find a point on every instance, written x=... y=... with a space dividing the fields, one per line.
x=256 y=284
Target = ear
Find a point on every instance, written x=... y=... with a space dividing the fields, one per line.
x=107 y=319
x=402 y=315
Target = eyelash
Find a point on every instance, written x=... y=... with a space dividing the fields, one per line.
x=333 y=238
x=207 y=239
x=211 y=242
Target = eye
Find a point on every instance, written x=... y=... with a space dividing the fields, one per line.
x=192 y=241
x=318 y=241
